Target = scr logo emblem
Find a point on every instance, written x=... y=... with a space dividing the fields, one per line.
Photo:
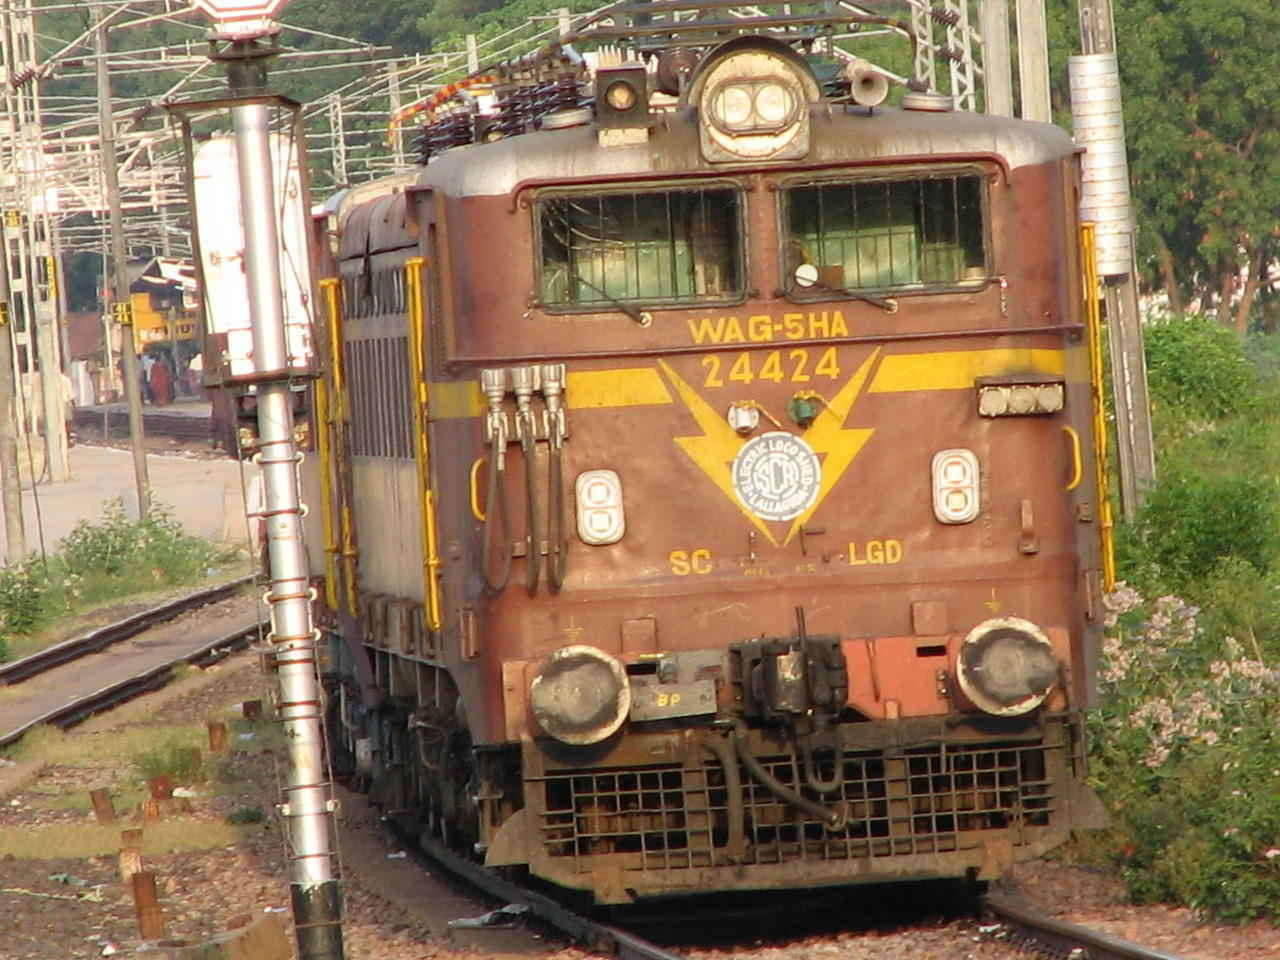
x=777 y=476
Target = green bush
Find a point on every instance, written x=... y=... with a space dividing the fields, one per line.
x=98 y=561
x=1192 y=521
x=180 y=761
x=103 y=547
x=1198 y=373
x=245 y=815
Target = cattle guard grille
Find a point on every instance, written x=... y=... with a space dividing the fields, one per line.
x=938 y=798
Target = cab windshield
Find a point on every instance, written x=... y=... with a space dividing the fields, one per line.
x=651 y=246
x=884 y=234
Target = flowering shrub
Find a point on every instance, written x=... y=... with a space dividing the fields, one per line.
x=23 y=589
x=116 y=551
x=1186 y=758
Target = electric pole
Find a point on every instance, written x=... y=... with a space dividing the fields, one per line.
x=121 y=306
x=1098 y=121
x=245 y=40
x=15 y=540
x=30 y=198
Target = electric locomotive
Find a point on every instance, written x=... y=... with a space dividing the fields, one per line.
x=708 y=477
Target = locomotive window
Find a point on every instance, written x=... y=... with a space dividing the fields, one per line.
x=672 y=246
x=884 y=234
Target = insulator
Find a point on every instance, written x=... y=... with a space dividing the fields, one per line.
x=942 y=15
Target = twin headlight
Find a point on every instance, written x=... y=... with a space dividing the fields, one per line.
x=752 y=106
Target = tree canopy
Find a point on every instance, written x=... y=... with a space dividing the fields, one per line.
x=1201 y=87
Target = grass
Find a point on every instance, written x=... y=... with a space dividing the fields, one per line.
x=98 y=565
x=89 y=839
x=111 y=609
x=120 y=760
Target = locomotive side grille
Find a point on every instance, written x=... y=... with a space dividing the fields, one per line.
x=923 y=800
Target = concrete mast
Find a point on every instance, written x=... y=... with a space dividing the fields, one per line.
x=122 y=306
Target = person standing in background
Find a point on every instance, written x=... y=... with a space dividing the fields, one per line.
x=145 y=363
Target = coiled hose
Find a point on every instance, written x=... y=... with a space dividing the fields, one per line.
x=832 y=819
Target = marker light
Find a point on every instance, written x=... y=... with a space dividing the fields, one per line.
x=601 y=519
x=955 y=486
x=621 y=95
x=1031 y=398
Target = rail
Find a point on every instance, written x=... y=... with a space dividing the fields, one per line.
x=600 y=937
x=150 y=680
x=104 y=637
x=1054 y=938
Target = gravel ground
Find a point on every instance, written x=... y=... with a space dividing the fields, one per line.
x=67 y=908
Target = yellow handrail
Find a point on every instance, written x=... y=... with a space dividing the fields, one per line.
x=324 y=422
x=1077 y=472
x=1093 y=321
x=331 y=290
x=475 y=489
x=422 y=399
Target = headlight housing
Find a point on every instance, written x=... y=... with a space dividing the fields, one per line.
x=581 y=695
x=1006 y=666
x=752 y=95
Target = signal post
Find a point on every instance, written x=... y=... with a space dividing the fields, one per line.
x=243 y=39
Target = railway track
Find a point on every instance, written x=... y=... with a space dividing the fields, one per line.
x=1030 y=930
x=157 y=422
x=1021 y=925
x=150 y=675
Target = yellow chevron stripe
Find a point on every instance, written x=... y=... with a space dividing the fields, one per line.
x=957 y=369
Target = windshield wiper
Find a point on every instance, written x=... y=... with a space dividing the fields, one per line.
x=642 y=317
x=887 y=304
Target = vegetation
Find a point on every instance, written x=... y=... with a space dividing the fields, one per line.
x=177 y=759
x=1202 y=119
x=1185 y=749
x=100 y=561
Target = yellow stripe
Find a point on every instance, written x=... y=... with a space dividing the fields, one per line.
x=456 y=399
x=958 y=369
x=586 y=390
x=634 y=387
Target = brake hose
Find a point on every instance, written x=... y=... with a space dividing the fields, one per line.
x=533 y=556
x=497 y=514
x=557 y=554
x=831 y=819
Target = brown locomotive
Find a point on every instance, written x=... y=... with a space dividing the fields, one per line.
x=708 y=485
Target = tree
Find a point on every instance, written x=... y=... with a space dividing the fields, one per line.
x=1201 y=82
